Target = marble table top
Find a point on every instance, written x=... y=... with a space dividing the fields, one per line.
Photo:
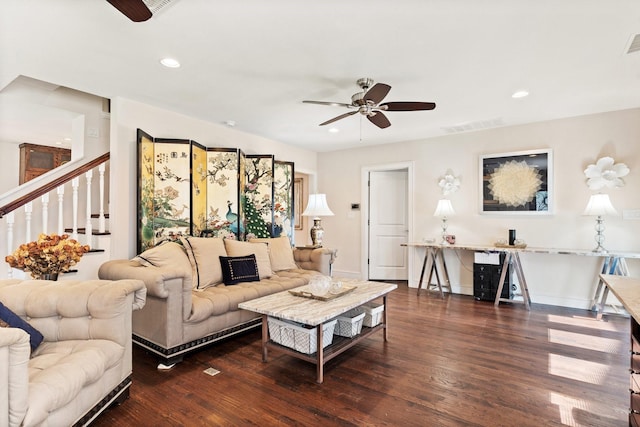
x=283 y=305
x=493 y=248
x=627 y=290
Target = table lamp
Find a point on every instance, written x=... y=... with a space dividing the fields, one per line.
x=317 y=207
x=598 y=206
x=444 y=210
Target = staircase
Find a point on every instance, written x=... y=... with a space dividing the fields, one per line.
x=63 y=204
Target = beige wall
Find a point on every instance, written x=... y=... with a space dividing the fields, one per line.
x=127 y=116
x=576 y=142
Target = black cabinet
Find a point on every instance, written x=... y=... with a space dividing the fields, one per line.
x=486 y=277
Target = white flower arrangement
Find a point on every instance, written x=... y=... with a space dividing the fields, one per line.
x=606 y=173
x=449 y=183
x=514 y=183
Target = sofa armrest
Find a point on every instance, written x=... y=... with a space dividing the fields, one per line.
x=154 y=278
x=318 y=259
x=14 y=375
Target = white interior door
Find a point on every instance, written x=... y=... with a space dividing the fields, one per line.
x=388 y=225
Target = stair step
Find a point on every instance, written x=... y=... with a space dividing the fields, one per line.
x=98 y=216
x=84 y=231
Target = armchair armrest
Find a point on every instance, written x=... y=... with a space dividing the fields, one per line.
x=14 y=375
x=319 y=259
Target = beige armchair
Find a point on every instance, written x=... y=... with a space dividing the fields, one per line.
x=84 y=363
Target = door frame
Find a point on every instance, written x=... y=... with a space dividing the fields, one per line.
x=364 y=212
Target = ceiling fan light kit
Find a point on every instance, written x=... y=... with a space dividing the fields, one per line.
x=367 y=103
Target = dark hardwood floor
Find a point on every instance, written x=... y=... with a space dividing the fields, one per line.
x=451 y=362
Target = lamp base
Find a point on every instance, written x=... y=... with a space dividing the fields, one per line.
x=600 y=236
x=317 y=233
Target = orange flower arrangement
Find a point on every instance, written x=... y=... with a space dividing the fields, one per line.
x=48 y=255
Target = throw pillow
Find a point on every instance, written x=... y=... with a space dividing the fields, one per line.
x=280 y=253
x=237 y=248
x=203 y=253
x=167 y=254
x=239 y=269
x=14 y=321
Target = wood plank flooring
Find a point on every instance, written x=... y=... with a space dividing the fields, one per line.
x=451 y=362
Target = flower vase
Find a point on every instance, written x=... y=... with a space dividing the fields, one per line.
x=49 y=276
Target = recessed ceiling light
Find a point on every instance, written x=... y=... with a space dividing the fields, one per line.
x=334 y=130
x=520 y=94
x=170 y=62
x=58 y=142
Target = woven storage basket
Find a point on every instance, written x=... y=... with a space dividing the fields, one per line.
x=298 y=337
x=349 y=325
x=372 y=313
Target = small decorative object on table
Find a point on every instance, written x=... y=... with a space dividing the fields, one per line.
x=48 y=256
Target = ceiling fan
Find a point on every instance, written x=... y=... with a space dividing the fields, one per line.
x=139 y=10
x=368 y=104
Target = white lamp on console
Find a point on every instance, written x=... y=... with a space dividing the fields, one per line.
x=444 y=210
x=600 y=205
x=316 y=207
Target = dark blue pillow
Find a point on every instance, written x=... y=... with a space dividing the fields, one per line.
x=15 y=321
x=236 y=269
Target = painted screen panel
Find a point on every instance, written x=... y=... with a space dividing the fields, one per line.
x=222 y=194
x=283 y=198
x=258 y=195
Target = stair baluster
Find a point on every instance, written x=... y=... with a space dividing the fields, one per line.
x=60 y=193
x=10 y=221
x=75 y=183
x=45 y=213
x=28 y=210
x=88 y=226
x=102 y=223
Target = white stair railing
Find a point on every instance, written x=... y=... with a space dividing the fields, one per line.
x=21 y=219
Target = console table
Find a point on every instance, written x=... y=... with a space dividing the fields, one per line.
x=627 y=290
x=612 y=263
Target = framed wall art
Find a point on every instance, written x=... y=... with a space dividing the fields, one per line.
x=517 y=183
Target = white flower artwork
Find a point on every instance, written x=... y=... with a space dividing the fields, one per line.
x=449 y=183
x=514 y=183
x=606 y=173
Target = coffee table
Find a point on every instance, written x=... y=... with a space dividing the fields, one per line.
x=312 y=312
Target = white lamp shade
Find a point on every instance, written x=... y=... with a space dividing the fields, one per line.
x=444 y=208
x=599 y=205
x=317 y=206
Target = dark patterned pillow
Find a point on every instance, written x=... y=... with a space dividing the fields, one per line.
x=237 y=269
x=12 y=320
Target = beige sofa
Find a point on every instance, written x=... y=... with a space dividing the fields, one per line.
x=188 y=303
x=84 y=362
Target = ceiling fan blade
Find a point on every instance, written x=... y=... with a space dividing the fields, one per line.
x=135 y=10
x=341 y=116
x=335 y=104
x=377 y=92
x=379 y=120
x=407 y=106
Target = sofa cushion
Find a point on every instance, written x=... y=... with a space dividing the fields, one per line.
x=204 y=254
x=167 y=254
x=237 y=269
x=12 y=320
x=280 y=253
x=260 y=250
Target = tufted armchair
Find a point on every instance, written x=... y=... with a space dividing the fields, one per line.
x=84 y=362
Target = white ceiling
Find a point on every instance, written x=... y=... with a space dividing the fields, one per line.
x=254 y=61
